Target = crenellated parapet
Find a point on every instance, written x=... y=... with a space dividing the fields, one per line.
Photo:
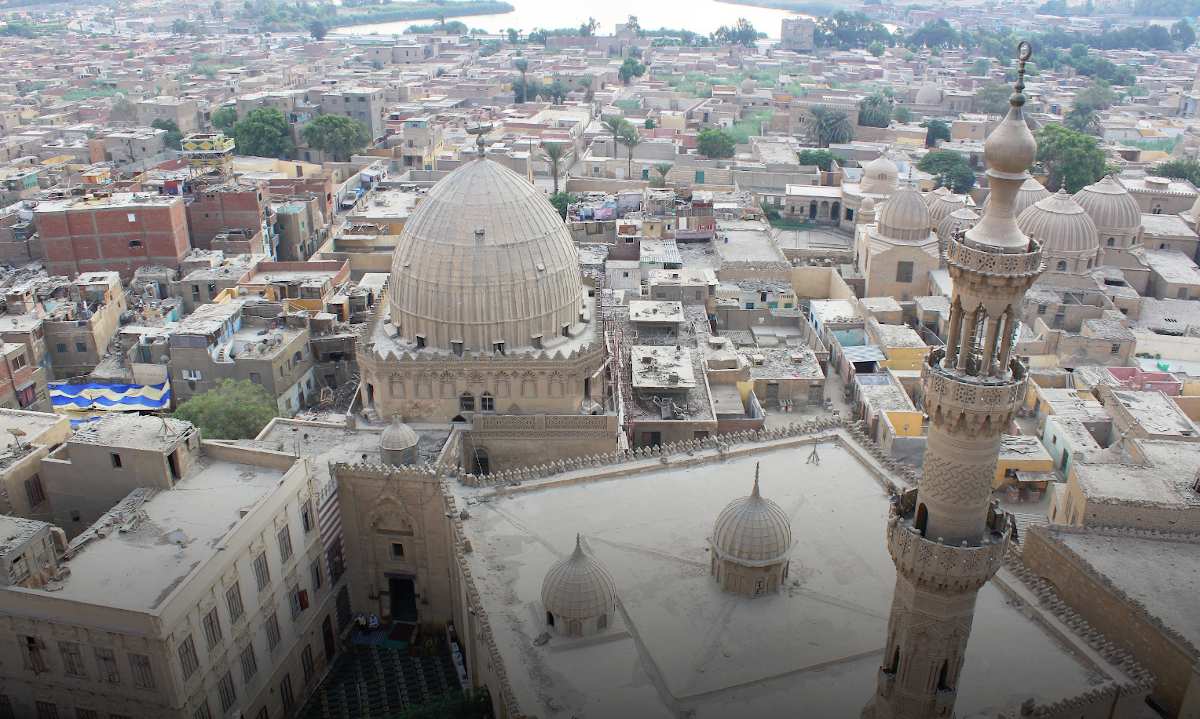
x=944 y=568
x=1018 y=269
x=957 y=401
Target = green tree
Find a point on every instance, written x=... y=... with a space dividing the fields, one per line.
x=234 y=409
x=1179 y=169
x=522 y=66
x=614 y=124
x=902 y=114
x=1071 y=158
x=876 y=49
x=562 y=200
x=649 y=123
x=949 y=169
x=514 y=36
x=174 y=137
x=935 y=34
x=224 y=119
x=218 y=10
x=588 y=93
x=662 y=168
x=630 y=139
x=875 y=111
x=336 y=135
x=936 y=130
x=821 y=158
x=743 y=33
x=318 y=30
x=828 y=126
x=554 y=153
x=588 y=29
x=1183 y=34
x=993 y=99
x=1083 y=119
x=982 y=66
x=715 y=143
x=1097 y=96
x=630 y=69
x=264 y=132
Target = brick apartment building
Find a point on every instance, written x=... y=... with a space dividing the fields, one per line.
x=214 y=209
x=118 y=232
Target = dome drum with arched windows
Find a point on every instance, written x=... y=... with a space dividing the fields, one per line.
x=485 y=264
x=1117 y=216
x=1069 y=239
x=750 y=543
x=579 y=596
x=879 y=176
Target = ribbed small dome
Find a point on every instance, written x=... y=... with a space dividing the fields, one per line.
x=904 y=216
x=935 y=193
x=484 y=258
x=1062 y=226
x=398 y=436
x=579 y=587
x=1031 y=192
x=1110 y=206
x=752 y=530
x=880 y=176
x=961 y=219
x=943 y=204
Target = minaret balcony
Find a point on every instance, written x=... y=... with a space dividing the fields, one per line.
x=940 y=567
x=954 y=392
x=1015 y=265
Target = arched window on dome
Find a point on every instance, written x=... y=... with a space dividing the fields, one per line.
x=466 y=402
x=1112 y=241
x=1061 y=266
x=602 y=622
x=487 y=403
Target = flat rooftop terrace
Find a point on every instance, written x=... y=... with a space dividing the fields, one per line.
x=680 y=645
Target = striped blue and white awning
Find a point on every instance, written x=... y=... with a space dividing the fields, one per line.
x=110 y=397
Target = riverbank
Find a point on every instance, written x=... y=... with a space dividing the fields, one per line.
x=412 y=11
x=800 y=7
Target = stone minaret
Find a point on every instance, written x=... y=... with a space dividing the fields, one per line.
x=947 y=537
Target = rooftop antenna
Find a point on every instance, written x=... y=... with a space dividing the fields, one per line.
x=813 y=457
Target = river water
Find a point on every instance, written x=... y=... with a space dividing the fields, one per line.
x=700 y=16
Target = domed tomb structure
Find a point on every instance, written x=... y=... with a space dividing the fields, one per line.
x=751 y=542
x=398 y=443
x=487 y=317
x=1116 y=214
x=960 y=220
x=879 y=180
x=579 y=595
x=1070 y=242
x=898 y=251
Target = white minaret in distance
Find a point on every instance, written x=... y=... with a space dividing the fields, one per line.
x=948 y=537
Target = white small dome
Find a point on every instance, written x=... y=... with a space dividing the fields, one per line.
x=1110 y=206
x=943 y=204
x=904 y=216
x=752 y=530
x=579 y=587
x=880 y=176
x=398 y=436
x=960 y=220
x=1062 y=226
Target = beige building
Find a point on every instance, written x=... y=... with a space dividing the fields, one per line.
x=898 y=251
x=27 y=438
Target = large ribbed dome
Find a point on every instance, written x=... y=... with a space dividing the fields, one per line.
x=879 y=176
x=942 y=204
x=1111 y=206
x=1061 y=225
x=484 y=258
x=904 y=216
x=1031 y=191
x=579 y=587
x=961 y=219
x=752 y=530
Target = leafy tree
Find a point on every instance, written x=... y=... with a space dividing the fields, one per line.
x=264 y=132
x=662 y=168
x=846 y=30
x=828 y=126
x=184 y=27
x=902 y=114
x=336 y=135
x=821 y=158
x=561 y=200
x=875 y=111
x=743 y=33
x=1179 y=169
x=522 y=66
x=649 y=124
x=615 y=124
x=935 y=34
x=715 y=143
x=1097 y=96
x=588 y=29
x=630 y=69
x=950 y=169
x=630 y=139
x=318 y=30
x=514 y=36
x=554 y=153
x=993 y=99
x=1182 y=34
x=174 y=137
x=876 y=49
x=224 y=119
x=234 y=409
x=586 y=83
x=936 y=130
x=218 y=10
x=1071 y=158
x=1082 y=118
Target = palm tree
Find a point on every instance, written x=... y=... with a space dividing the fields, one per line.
x=586 y=83
x=875 y=111
x=613 y=124
x=828 y=126
x=522 y=66
x=554 y=153
x=662 y=169
x=629 y=138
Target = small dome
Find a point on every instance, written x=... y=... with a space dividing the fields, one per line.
x=398 y=436
x=937 y=192
x=942 y=205
x=868 y=204
x=880 y=176
x=1110 y=205
x=960 y=220
x=1031 y=192
x=929 y=94
x=1062 y=226
x=752 y=530
x=579 y=587
x=904 y=216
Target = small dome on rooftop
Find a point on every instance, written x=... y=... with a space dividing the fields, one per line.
x=398 y=436
x=961 y=219
x=579 y=589
x=1065 y=230
x=943 y=204
x=752 y=530
x=904 y=216
x=1110 y=205
x=880 y=176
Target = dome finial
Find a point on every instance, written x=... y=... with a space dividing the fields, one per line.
x=1024 y=52
x=754 y=492
x=578 y=543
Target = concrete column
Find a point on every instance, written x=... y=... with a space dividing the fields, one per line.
x=953 y=336
x=989 y=347
x=1006 y=344
x=968 y=339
